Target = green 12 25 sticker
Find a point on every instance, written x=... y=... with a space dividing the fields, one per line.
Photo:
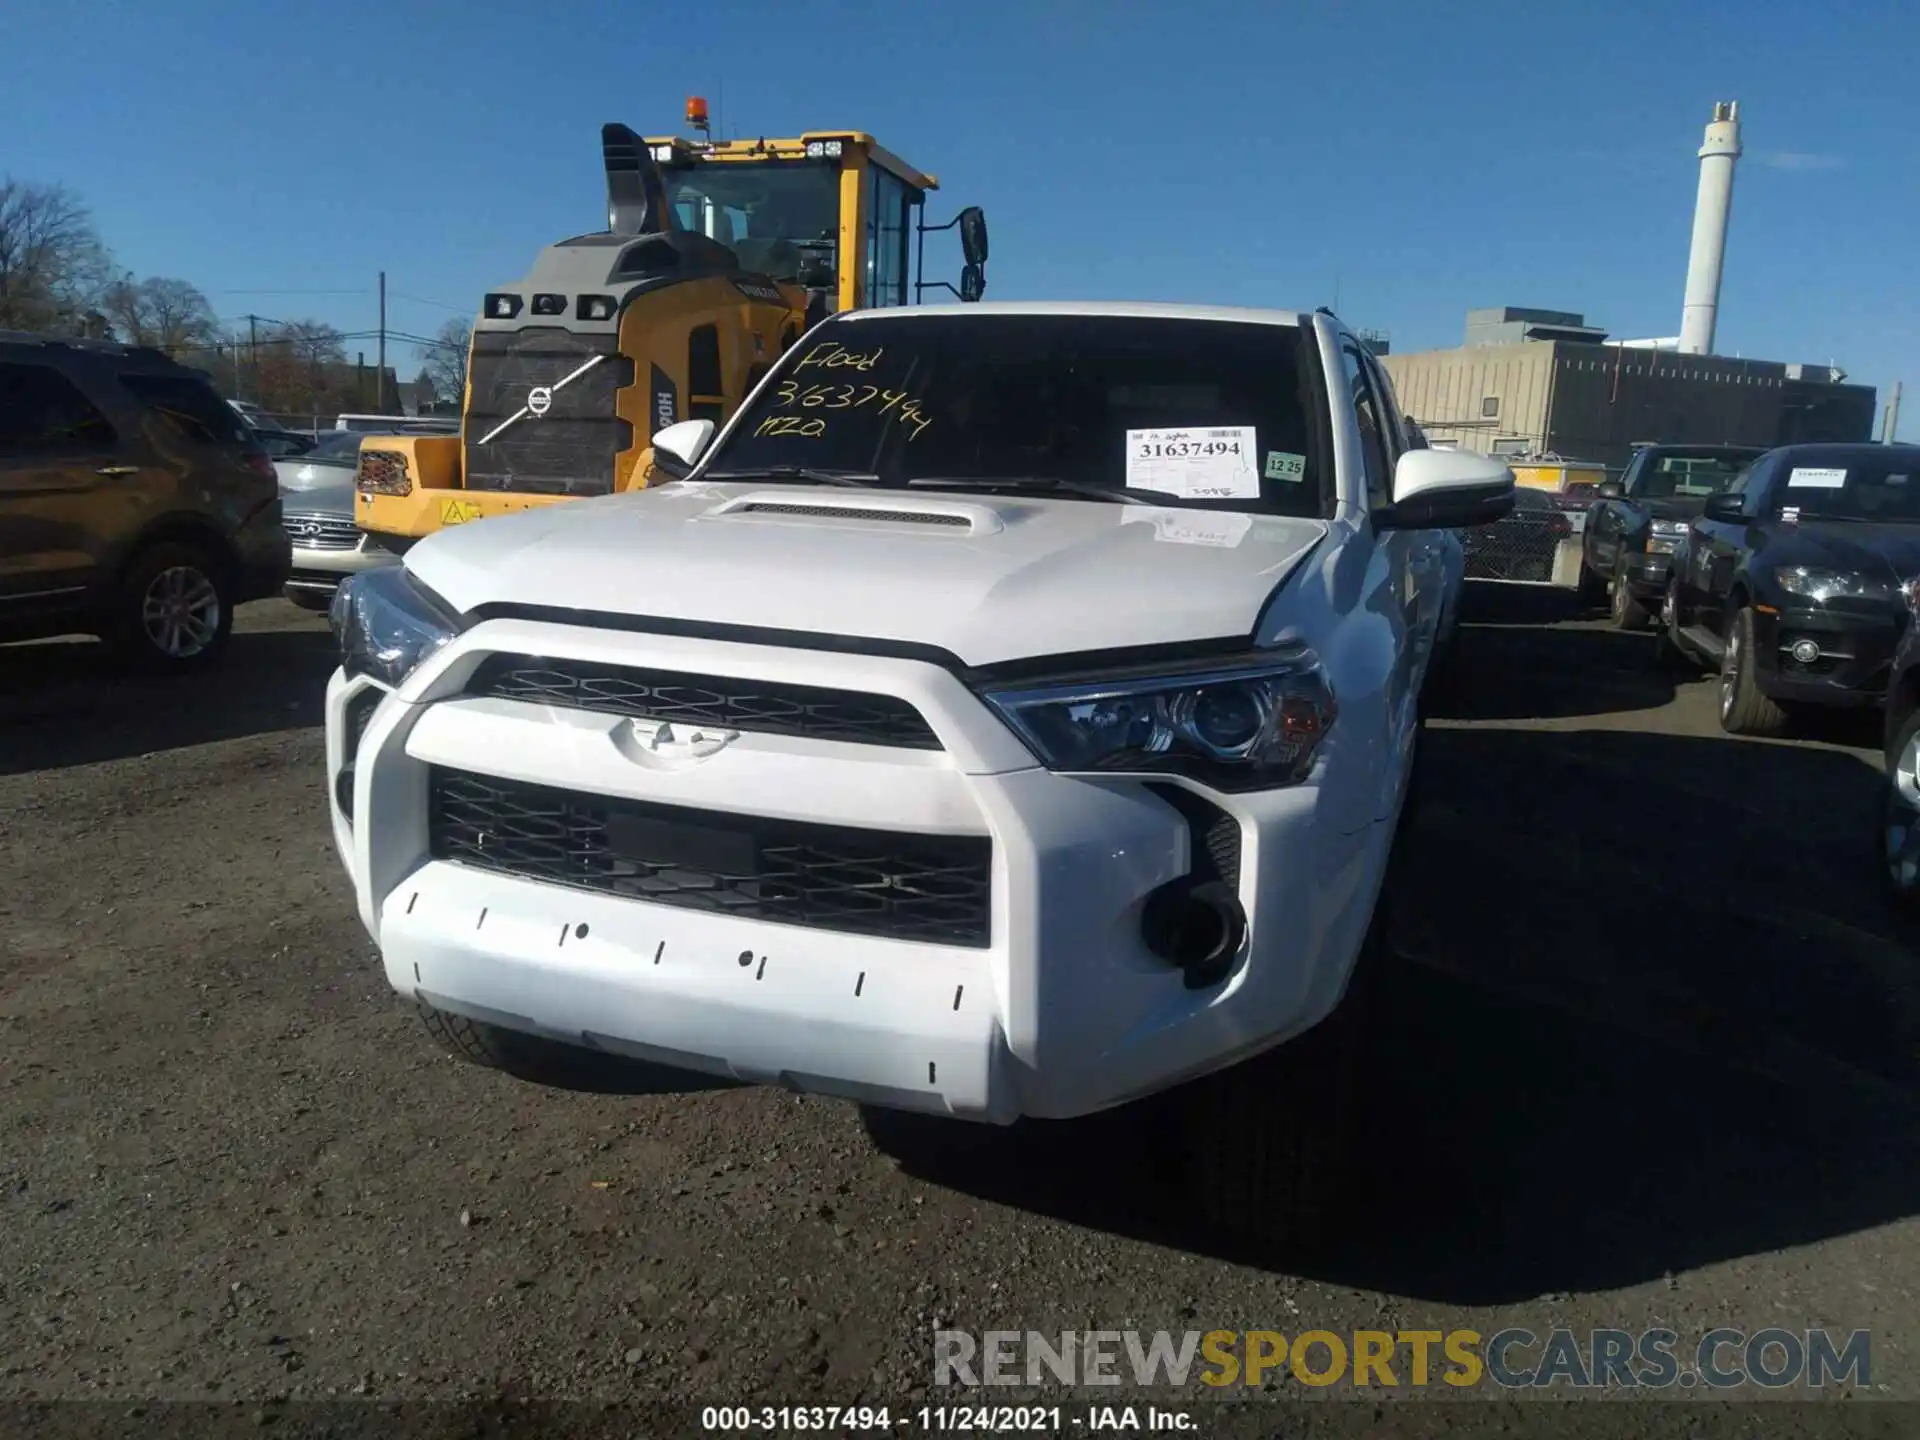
x=1285 y=465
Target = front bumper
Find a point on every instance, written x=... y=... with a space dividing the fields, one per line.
x=320 y=571
x=1062 y=1012
x=1854 y=661
x=1647 y=573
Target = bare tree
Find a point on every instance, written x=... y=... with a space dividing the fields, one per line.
x=53 y=268
x=170 y=315
x=446 y=361
x=302 y=369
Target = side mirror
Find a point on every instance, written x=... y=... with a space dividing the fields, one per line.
x=678 y=448
x=1611 y=490
x=973 y=235
x=973 y=283
x=1446 y=490
x=1724 y=506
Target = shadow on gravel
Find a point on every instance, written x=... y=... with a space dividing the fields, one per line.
x=1509 y=665
x=62 y=703
x=1651 y=1015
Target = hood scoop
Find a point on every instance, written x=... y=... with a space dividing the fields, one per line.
x=946 y=516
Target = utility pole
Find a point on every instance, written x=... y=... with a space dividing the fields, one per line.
x=380 y=380
x=253 y=353
x=1891 y=430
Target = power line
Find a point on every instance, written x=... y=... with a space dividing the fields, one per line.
x=437 y=304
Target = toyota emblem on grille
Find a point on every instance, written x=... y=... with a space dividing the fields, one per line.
x=681 y=742
x=539 y=401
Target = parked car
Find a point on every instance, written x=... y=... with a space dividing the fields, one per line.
x=316 y=490
x=1009 y=713
x=1796 y=581
x=135 y=504
x=1637 y=521
x=1523 y=546
x=279 y=444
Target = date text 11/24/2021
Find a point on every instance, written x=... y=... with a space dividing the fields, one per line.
x=956 y=1419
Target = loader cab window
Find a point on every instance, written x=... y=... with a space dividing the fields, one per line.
x=778 y=216
x=889 y=204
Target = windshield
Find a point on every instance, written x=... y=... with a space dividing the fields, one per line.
x=774 y=214
x=340 y=448
x=1193 y=412
x=1853 y=489
x=1689 y=472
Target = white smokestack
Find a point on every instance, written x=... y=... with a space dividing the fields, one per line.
x=1710 y=212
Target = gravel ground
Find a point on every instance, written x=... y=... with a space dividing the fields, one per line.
x=1652 y=1060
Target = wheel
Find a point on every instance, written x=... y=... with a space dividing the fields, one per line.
x=1900 y=819
x=173 y=610
x=1744 y=710
x=1270 y=1142
x=1667 y=654
x=1628 y=613
x=311 y=600
x=525 y=1057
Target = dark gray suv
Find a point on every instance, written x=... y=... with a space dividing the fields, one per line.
x=135 y=504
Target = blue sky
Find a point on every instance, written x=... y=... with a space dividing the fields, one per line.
x=1413 y=160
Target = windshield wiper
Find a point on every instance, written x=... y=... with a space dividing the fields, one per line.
x=861 y=479
x=1041 y=482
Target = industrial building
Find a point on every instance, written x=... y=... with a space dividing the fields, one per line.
x=1529 y=381
x=1542 y=392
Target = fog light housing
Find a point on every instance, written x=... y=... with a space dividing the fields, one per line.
x=1198 y=927
x=1805 y=652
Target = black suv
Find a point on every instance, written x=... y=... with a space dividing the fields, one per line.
x=1639 y=520
x=135 y=504
x=1798 y=581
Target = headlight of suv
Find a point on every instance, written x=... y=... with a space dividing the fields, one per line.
x=1664 y=536
x=387 y=623
x=1821 y=586
x=1242 y=725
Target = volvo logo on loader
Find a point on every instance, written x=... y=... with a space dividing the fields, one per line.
x=539 y=401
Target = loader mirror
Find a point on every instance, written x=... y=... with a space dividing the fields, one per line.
x=973 y=236
x=973 y=284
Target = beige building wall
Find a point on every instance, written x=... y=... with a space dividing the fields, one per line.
x=1450 y=392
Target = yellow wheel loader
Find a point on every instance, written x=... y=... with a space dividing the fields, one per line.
x=717 y=256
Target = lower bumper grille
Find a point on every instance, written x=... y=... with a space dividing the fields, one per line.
x=934 y=888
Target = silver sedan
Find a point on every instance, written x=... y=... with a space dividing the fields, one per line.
x=316 y=496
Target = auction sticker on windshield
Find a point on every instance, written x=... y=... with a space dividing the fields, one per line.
x=1195 y=464
x=1805 y=479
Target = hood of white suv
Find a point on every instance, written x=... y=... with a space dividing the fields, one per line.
x=986 y=578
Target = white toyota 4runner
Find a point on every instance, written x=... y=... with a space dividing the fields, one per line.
x=1008 y=713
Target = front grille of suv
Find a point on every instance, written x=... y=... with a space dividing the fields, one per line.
x=760 y=706
x=933 y=888
x=316 y=530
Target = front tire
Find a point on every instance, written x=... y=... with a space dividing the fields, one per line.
x=1628 y=613
x=1270 y=1142
x=1744 y=708
x=173 y=610
x=308 y=600
x=525 y=1057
